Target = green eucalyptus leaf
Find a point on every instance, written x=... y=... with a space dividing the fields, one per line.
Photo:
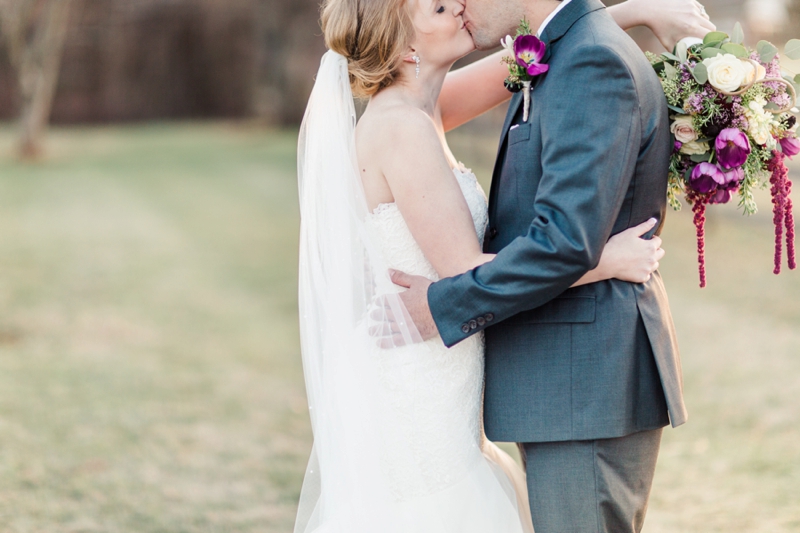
x=738 y=34
x=681 y=51
x=700 y=73
x=766 y=50
x=736 y=49
x=708 y=53
x=772 y=106
x=714 y=37
x=797 y=79
x=676 y=109
x=792 y=50
x=699 y=158
x=670 y=71
x=672 y=57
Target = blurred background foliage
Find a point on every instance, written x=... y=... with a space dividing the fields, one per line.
x=150 y=377
x=165 y=59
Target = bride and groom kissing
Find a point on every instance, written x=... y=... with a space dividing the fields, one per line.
x=538 y=317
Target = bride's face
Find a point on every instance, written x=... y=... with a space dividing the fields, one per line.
x=441 y=35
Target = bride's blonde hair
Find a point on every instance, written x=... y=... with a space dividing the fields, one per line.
x=372 y=35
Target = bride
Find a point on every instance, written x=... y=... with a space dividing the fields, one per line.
x=399 y=445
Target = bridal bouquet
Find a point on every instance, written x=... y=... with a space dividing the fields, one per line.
x=733 y=127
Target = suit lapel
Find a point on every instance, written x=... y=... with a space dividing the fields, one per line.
x=556 y=29
x=513 y=106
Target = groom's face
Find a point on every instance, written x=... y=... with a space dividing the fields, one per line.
x=490 y=20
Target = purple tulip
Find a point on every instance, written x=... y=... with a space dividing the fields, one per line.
x=733 y=177
x=724 y=193
x=722 y=196
x=677 y=147
x=529 y=51
x=733 y=147
x=790 y=146
x=706 y=178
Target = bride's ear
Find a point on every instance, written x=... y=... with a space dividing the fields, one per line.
x=409 y=56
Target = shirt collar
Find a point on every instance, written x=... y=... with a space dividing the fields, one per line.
x=552 y=15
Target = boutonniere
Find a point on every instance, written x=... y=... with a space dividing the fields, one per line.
x=525 y=63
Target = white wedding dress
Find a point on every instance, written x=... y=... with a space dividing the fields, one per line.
x=398 y=439
x=435 y=456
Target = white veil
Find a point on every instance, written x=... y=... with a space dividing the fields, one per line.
x=341 y=275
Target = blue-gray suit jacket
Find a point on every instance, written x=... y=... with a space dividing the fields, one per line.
x=601 y=360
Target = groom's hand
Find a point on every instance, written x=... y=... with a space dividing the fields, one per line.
x=415 y=300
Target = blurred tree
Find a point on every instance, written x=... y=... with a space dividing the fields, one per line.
x=290 y=44
x=34 y=31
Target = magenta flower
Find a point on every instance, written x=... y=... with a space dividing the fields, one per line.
x=725 y=191
x=790 y=146
x=733 y=147
x=733 y=177
x=529 y=51
x=706 y=178
x=722 y=196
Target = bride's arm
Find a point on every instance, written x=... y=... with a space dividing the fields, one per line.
x=669 y=20
x=475 y=89
x=628 y=257
x=410 y=157
x=433 y=207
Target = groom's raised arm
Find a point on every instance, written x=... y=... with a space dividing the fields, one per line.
x=590 y=138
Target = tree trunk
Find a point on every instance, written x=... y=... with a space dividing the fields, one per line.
x=35 y=31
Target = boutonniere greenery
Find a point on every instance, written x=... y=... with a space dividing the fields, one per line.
x=525 y=62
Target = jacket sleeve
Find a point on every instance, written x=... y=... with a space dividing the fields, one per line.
x=590 y=139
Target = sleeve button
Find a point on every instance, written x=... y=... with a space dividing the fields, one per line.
x=481 y=321
x=465 y=328
x=489 y=317
x=473 y=324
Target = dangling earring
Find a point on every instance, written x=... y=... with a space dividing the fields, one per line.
x=416 y=60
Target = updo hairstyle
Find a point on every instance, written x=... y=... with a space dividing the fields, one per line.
x=372 y=35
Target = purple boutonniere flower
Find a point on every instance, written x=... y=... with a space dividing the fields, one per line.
x=529 y=51
x=526 y=52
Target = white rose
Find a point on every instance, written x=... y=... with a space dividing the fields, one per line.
x=726 y=72
x=683 y=129
x=760 y=135
x=695 y=148
x=753 y=72
x=761 y=123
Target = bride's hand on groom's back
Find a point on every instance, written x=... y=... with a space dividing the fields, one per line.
x=629 y=257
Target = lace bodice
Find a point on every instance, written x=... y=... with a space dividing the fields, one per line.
x=432 y=430
x=398 y=246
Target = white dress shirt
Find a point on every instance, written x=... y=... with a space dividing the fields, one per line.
x=552 y=16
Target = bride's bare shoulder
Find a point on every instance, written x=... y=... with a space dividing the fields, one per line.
x=394 y=124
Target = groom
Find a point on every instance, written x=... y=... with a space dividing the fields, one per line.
x=586 y=378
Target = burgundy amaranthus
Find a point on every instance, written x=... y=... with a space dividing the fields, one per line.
x=699 y=202
x=782 y=215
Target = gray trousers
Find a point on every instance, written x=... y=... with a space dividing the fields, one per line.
x=596 y=486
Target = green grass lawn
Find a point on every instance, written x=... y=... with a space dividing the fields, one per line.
x=150 y=379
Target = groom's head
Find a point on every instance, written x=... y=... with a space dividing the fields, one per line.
x=490 y=20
